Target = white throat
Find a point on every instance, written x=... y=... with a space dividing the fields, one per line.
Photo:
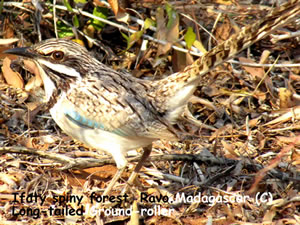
x=49 y=86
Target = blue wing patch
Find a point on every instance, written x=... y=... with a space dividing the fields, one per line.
x=88 y=123
x=82 y=121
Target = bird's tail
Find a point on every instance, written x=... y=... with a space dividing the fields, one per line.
x=182 y=84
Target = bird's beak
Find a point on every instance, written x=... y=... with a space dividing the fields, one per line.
x=20 y=52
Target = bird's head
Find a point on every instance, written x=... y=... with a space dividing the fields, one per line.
x=60 y=62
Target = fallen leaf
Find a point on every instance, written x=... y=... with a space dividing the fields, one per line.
x=35 y=81
x=295 y=157
x=223 y=31
x=180 y=60
x=169 y=32
x=8 y=28
x=119 y=11
x=229 y=149
x=100 y=173
x=225 y=2
x=286 y=140
x=12 y=78
x=291 y=113
x=256 y=72
x=285 y=98
x=8 y=41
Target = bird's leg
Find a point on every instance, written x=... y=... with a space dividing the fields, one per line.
x=114 y=180
x=121 y=162
x=146 y=153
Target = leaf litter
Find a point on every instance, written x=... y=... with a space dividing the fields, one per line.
x=242 y=138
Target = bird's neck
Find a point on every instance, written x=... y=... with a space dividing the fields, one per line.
x=55 y=87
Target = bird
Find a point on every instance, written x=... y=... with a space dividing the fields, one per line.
x=116 y=112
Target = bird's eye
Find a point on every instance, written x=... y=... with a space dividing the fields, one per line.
x=58 y=55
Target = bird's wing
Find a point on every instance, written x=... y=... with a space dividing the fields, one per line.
x=114 y=105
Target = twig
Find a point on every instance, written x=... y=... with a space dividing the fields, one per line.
x=81 y=163
x=264 y=65
x=275 y=38
x=18 y=5
x=54 y=18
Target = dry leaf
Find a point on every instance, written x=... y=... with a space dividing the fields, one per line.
x=254 y=122
x=223 y=31
x=225 y=2
x=286 y=140
x=256 y=72
x=199 y=45
x=269 y=216
x=264 y=56
x=32 y=68
x=229 y=148
x=161 y=33
x=285 y=98
x=295 y=157
x=9 y=181
x=180 y=60
x=119 y=12
x=262 y=96
x=114 y=6
x=79 y=177
x=35 y=143
x=294 y=112
x=169 y=34
x=11 y=77
x=32 y=105
x=8 y=29
x=294 y=77
x=8 y=41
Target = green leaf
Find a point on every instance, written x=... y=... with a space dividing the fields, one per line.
x=64 y=30
x=134 y=38
x=1 y=6
x=80 y=1
x=67 y=4
x=125 y=36
x=189 y=37
x=75 y=21
x=102 y=13
x=172 y=15
x=148 y=22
